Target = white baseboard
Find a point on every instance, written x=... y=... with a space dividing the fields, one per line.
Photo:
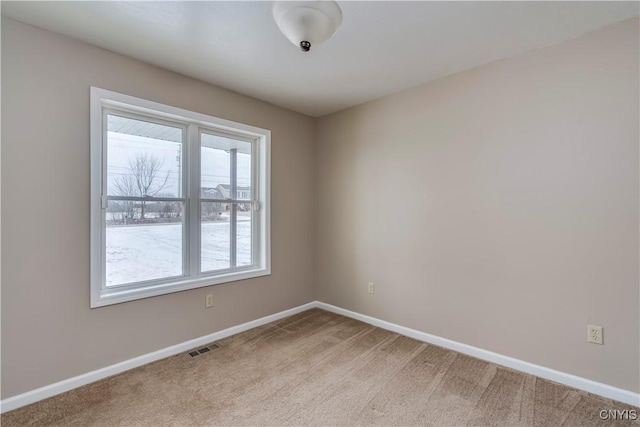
x=530 y=368
x=75 y=382
x=570 y=380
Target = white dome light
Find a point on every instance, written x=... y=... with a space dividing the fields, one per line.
x=307 y=23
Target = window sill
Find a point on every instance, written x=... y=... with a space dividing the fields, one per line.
x=119 y=295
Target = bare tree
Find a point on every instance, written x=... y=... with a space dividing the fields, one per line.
x=168 y=210
x=125 y=186
x=143 y=179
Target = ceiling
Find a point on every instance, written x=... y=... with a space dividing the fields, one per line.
x=382 y=47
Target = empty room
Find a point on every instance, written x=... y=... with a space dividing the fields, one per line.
x=339 y=213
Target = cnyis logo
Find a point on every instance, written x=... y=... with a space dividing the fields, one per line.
x=618 y=414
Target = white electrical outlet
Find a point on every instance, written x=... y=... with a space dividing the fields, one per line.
x=372 y=288
x=594 y=334
x=208 y=301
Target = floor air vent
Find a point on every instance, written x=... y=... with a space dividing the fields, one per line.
x=203 y=350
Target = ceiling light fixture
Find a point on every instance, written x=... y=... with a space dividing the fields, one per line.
x=307 y=23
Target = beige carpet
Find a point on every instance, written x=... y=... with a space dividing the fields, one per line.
x=319 y=368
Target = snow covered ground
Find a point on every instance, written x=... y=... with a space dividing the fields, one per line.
x=154 y=251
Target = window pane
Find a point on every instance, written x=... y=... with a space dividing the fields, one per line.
x=215 y=235
x=220 y=157
x=143 y=241
x=143 y=158
x=218 y=229
x=244 y=233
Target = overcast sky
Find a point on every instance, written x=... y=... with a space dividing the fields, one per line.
x=214 y=170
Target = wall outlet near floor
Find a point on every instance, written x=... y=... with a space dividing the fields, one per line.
x=372 y=288
x=594 y=334
x=208 y=301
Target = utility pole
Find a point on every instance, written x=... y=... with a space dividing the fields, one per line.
x=178 y=158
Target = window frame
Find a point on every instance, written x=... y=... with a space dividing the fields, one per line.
x=194 y=124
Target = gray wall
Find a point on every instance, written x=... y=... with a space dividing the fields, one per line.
x=497 y=207
x=49 y=333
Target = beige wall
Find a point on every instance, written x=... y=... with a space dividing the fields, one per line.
x=49 y=333
x=497 y=207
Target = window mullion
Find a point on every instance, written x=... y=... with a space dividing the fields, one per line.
x=255 y=205
x=233 y=229
x=193 y=195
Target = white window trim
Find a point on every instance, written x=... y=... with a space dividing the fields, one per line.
x=100 y=295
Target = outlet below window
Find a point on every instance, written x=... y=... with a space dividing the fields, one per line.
x=208 y=301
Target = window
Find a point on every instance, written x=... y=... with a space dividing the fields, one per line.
x=179 y=200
